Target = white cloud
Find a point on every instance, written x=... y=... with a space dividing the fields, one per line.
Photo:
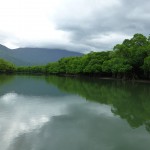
x=71 y=24
x=29 y=21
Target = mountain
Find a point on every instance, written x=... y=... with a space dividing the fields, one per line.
x=7 y=54
x=42 y=55
x=34 y=56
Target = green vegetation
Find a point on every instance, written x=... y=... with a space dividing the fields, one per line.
x=6 y=67
x=129 y=60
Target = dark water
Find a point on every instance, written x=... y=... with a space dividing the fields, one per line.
x=58 y=113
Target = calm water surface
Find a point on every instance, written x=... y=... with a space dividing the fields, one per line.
x=59 y=113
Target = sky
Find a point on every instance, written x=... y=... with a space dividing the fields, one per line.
x=76 y=25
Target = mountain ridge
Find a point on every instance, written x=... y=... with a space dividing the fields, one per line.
x=34 y=56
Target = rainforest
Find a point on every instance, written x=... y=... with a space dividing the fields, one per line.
x=128 y=60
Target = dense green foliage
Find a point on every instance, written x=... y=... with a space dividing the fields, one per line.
x=129 y=60
x=6 y=67
x=31 y=69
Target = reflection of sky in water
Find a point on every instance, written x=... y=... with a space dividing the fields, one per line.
x=67 y=122
x=22 y=114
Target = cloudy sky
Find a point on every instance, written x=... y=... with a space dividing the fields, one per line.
x=78 y=25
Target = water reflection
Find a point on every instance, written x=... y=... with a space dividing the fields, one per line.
x=52 y=113
x=129 y=100
x=24 y=114
x=4 y=79
x=28 y=85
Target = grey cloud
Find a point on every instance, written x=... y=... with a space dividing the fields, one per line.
x=125 y=19
x=92 y=24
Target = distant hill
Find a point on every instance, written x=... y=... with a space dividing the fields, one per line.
x=7 y=54
x=34 y=56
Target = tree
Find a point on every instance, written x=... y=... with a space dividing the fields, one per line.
x=94 y=62
x=134 y=51
x=52 y=68
x=6 y=67
x=146 y=66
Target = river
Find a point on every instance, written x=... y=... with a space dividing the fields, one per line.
x=68 y=113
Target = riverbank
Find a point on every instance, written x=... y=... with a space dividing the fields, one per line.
x=79 y=76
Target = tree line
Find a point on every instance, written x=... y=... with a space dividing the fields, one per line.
x=128 y=60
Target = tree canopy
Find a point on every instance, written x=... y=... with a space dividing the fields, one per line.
x=6 y=67
x=128 y=60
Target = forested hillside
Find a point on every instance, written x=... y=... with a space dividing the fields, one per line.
x=128 y=60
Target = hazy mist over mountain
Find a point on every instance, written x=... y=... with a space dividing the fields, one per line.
x=34 y=56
